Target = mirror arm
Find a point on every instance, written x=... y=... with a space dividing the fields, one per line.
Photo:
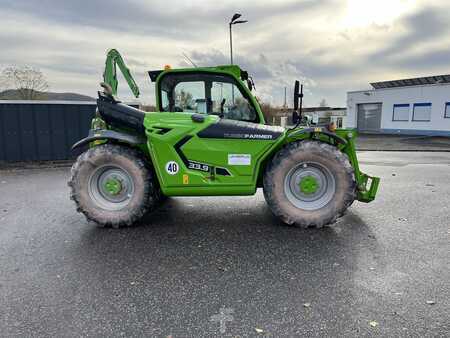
x=298 y=111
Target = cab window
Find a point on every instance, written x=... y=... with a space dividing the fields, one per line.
x=190 y=97
x=206 y=94
x=229 y=103
x=164 y=100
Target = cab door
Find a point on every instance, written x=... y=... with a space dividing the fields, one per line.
x=221 y=154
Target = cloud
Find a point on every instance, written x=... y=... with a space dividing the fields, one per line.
x=175 y=20
x=270 y=76
x=284 y=40
x=424 y=26
x=434 y=61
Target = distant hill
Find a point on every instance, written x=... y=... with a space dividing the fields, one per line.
x=13 y=94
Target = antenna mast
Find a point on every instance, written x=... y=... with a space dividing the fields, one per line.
x=189 y=59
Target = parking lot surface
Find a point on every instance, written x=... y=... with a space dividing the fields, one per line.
x=387 y=142
x=197 y=263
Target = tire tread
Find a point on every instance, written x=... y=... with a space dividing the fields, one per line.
x=150 y=188
x=307 y=146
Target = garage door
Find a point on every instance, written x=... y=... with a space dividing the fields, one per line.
x=369 y=117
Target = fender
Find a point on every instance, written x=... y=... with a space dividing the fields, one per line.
x=95 y=135
x=319 y=130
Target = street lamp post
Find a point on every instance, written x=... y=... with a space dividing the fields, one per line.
x=234 y=21
x=231 y=45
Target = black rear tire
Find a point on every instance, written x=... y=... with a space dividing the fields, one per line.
x=134 y=191
x=331 y=192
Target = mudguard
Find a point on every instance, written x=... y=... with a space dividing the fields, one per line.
x=319 y=130
x=95 y=135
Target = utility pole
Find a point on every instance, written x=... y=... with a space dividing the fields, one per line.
x=285 y=102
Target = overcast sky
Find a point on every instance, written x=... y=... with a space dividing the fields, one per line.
x=333 y=46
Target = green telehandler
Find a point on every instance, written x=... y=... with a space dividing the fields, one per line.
x=209 y=138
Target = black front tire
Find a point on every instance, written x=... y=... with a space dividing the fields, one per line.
x=125 y=165
x=336 y=197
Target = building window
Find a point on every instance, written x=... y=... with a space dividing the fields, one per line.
x=422 y=112
x=447 y=110
x=400 y=112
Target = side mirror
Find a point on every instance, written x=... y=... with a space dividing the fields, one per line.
x=296 y=94
x=295 y=117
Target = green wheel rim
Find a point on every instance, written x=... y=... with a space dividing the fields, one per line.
x=111 y=187
x=309 y=186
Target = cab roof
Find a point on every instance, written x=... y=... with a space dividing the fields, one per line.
x=231 y=69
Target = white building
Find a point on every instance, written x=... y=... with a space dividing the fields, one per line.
x=419 y=106
x=326 y=115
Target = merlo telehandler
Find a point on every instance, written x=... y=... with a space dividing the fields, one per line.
x=209 y=138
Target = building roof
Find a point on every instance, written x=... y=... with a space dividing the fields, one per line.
x=418 y=81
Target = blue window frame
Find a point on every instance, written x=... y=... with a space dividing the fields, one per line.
x=422 y=112
x=447 y=110
x=400 y=112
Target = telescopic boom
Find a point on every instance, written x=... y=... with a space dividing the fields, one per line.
x=114 y=59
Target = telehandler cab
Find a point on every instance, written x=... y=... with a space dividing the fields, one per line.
x=209 y=137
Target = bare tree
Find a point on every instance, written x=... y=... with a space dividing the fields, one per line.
x=184 y=99
x=270 y=112
x=29 y=83
x=4 y=83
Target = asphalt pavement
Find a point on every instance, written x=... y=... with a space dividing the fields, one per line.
x=224 y=266
x=389 y=142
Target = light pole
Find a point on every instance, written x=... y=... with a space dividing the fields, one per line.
x=234 y=21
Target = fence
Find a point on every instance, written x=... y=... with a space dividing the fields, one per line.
x=42 y=130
